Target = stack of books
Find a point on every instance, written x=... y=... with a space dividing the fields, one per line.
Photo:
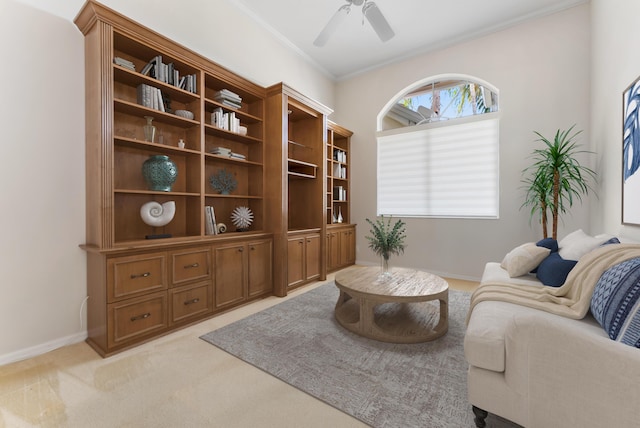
x=211 y=228
x=151 y=97
x=340 y=155
x=225 y=120
x=167 y=73
x=222 y=151
x=237 y=155
x=124 y=63
x=339 y=193
x=228 y=98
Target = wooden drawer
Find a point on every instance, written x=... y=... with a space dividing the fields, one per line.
x=135 y=275
x=191 y=265
x=191 y=302
x=133 y=318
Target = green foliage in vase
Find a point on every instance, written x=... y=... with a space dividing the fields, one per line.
x=386 y=239
x=224 y=182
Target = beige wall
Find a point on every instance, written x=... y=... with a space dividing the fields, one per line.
x=541 y=69
x=615 y=65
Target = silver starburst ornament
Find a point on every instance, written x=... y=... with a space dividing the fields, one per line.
x=242 y=217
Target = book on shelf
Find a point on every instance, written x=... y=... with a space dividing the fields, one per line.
x=339 y=193
x=223 y=151
x=124 y=63
x=169 y=74
x=225 y=120
x=211 y=227
x=340 y=155
x=148 y=69
x=151 y=97
x=228 y=98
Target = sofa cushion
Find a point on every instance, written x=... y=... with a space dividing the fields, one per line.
x=615 y=303
x=549 y=243
x=494 y=273
x=577 y=244
x=553 y=270
x=523 y=259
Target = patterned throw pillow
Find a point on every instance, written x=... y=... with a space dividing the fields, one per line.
x=615 y=303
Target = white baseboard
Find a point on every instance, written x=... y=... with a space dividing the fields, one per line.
x=43 y=348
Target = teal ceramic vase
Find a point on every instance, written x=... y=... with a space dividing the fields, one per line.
x=160 y=173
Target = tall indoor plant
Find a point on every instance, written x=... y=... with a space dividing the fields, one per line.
x=556 y=177
x=386 y=239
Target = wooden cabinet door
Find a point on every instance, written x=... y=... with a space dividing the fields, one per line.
x=230 y=267
x=312 y=256
x=260 y=262
x=295 y=261
x=333 y=251
x=347 y=247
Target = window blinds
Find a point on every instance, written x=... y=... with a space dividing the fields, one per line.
x=450 y=170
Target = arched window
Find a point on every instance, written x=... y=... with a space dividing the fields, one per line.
x=438 y=150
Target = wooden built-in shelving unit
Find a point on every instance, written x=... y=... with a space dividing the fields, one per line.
x=140 y=288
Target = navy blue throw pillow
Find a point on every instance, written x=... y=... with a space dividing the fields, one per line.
x=611 y=241
x=553 y=270
x=549 y=243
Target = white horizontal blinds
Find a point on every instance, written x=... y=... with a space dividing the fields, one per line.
x=444 y=171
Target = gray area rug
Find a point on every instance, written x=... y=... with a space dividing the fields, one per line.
x=382 y=384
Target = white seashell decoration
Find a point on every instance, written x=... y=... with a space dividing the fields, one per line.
x=157 y=215
x=222 y=228
x=242 y=217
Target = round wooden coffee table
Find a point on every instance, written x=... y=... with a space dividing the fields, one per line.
x=392 y=308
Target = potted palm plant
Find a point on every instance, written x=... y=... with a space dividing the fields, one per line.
x=556 y=178
x=386 y=239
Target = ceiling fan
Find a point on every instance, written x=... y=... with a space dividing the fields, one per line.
x=369 y=10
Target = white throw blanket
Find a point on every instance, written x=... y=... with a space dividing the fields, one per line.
x=573 y=298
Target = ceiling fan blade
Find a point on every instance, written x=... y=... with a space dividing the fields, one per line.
x=378 y=21
x=331 y=26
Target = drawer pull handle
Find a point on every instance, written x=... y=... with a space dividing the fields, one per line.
x=240 y=249
x=140 y=275
x=192 y=301
x=195 y=265
x=141 y=317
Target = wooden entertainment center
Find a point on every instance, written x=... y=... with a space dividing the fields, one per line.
x=288 y=163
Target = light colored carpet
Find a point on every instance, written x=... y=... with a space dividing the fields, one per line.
x=382 y=384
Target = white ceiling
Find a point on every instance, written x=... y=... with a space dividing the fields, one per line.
x=420 y=26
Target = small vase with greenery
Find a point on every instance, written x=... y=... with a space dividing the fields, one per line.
x=556 y=178
x=386 y=239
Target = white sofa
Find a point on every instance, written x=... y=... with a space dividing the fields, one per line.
x=538 y=369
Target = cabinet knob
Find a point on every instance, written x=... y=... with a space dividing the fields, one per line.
x=240 y=250
x=253 y=248
x=140 y=275
x=141 y=317
x=195 y=265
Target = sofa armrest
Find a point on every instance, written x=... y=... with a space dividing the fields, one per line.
x=576 y=374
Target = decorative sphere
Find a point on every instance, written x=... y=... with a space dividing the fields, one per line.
x=242 y=217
